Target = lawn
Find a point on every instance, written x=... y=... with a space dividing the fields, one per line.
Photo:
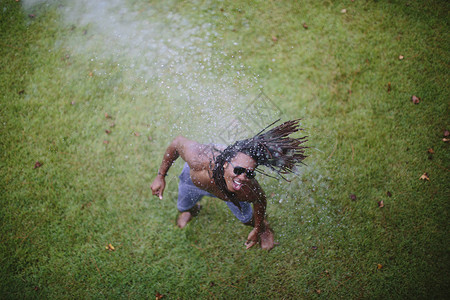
x=92 y=93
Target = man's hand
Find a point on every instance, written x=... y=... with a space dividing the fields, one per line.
x=158 y=186
x=264 y=236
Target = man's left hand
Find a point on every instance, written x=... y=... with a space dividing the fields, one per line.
x=266 y=238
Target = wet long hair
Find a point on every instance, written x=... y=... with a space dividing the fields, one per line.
x=273 y=149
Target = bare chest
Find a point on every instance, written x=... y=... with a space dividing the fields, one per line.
x=203 y=180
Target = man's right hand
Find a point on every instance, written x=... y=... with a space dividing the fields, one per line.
x=158 y=186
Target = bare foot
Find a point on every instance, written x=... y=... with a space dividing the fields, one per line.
x=183 y=219
x=186 y=216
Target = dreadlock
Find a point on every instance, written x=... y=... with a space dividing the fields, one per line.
x=273 y=149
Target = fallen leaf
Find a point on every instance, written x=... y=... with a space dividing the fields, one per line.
x=21 y=92
x=401 y=57
x=38 y=165
x=318 y=292
x=305 y=26
x=353 y=197
x=389 y=194
x=425 y=177
x=314 y=247
x=85 y=205
x=415 y=99
x=211 y=284
x=112 y=125
x=107 y=116
x=149 y=138
x=137 y=134
x=105 y=142
x=91 y=74
x=274 y=38
x=158 y=296
x=445 y=140
x=431 y=151
x=379 y=266
x=72 y=102
x=110 y=247
x=446 y=133
x=389 y=87
x=381 y=204
x=108 y=131
x=343 y=11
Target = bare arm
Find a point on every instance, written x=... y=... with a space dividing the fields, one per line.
x=190 y=151
x=259 y=212
x=261 y=232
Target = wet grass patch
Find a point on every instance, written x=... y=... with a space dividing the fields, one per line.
x=97 y=107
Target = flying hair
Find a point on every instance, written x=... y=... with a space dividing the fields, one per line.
x=273 y=149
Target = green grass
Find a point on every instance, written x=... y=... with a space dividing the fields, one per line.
x=61 y=72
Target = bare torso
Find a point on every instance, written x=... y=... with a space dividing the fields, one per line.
x=201 y=175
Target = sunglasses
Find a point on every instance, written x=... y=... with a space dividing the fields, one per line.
x=239 y=170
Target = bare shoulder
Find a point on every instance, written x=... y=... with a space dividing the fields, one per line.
x=197 y=155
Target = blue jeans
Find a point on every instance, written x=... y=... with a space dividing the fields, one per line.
x=189 y=195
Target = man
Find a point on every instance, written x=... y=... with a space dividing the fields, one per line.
x=228 y=174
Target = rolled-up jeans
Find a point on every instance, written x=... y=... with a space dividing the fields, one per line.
x=189 y=195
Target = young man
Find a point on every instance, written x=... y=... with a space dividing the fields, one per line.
x=228 y=174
